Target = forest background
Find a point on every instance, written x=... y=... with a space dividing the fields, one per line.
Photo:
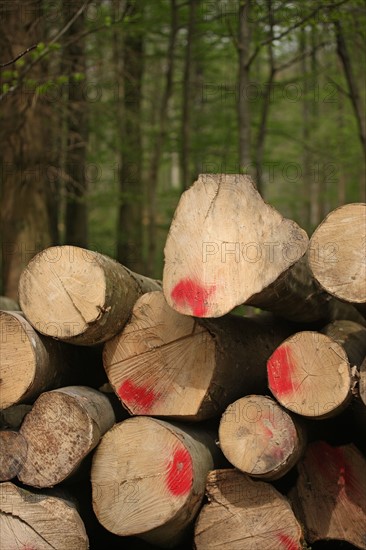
x=118 y=105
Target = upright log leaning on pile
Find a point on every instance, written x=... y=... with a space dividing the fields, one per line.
x=227 y=247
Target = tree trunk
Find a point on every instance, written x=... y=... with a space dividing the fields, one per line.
x=243 y=514
x=187 y=97
x=76 y=221
x=25 y=223
x=355 y=97
x=167 y=364
x=259 y=153
x=129 y=72
x=34 y=520
x=30 y=363
x=153 y=172
x=79 y=296
x=310 y=375
x=158 y=471
x=259 y=438
x=330 y=494
x=244 y=83
x=337 y=253
x=307 y=199
x=62 y=428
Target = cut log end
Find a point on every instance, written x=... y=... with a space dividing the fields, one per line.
x=337 y=253
x=214 y=262
x=62 y=428
x=310 y=375
x=330 y=494
x=31 y=521
x=148 y=479
x=243 y=514
x=78 y=295
x=17 y=348
x=259 y=438
x=162 y=363
x=67 y=284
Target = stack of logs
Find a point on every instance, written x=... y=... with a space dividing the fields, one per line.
x=135 y=413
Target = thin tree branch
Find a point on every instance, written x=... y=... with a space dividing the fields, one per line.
x=2 y=65
x=288 y=30
x=46 y=51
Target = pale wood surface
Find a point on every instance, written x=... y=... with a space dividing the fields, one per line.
x=148 y=478
x=226 y=244
x=337 y=253
x=79 y=296
x=243 y=514
x=260 y=438
x=37 y=521
x=29 y=363
x=309 y=374
x=63 y=426
x=164 y=363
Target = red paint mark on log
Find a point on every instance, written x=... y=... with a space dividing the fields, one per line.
x=280 y=370
x=332 y=463
x=180 y=473
x=134 y=395
x=288 y=542
x=192 y=293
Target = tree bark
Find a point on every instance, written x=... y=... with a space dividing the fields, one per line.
x=35 y=520
x=337 y=253
x=243 y=514
x=330 y=494
x=129 y=74
x=76 y=216
x=25 y=223
x=62 y=428
x=259 y=152
x=259 y=438
x=187 y=97
x=79 y=296
x=244 y=83
x=148 y=478
x=153 y=172
x=355 y=97
x=167 y=364
x=309 y=374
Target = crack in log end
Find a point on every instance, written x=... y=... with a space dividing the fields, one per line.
x=180 y=474
x=137 y=396
x=288 y=542
x=191 y=293
x=280 y=370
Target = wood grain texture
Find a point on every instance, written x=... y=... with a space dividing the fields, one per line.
x=36 y=521
x=243 y=514
x=79 y=296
